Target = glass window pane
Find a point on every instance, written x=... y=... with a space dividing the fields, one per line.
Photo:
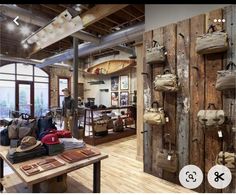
x=10 y=68
x=24 y=98
x=61 y=100
x=63 y=83
x=24 y=69
x=40 y=98
x=7 y=77
x=41 y=79
x=7 y=99
x=39 y=72
x=24 y=78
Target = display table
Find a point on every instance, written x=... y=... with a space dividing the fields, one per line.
x=33 y=180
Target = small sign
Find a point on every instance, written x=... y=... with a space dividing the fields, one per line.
x=167 y=119
x=169 y=157
x=220 y=134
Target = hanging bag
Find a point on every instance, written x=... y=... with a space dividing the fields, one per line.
x=167 y=82
x=226 y=79
x=155 y=54
x=212 y=42
x=154 y=116
x=211 y=117
x=167 y=159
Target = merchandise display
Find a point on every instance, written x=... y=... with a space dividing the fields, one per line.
x=154 y=116
x=166 y=82
x=155 y=54
x=212 y=42
x=40 y=166
x=117 y=98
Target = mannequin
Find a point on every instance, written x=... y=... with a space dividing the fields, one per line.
x=68 y=110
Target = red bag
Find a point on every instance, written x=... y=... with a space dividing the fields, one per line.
x=64 y=134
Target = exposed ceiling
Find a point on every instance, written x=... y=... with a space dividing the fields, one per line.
x=11 y=42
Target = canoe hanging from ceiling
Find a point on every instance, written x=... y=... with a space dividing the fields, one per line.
x=111 y=67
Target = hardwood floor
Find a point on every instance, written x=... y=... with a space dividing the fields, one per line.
x=121 y=172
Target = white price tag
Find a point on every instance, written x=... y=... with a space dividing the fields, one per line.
x=220 y=134
x=167 y=119
x=169 y=157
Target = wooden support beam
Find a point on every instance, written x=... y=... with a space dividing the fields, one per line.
x=157 y=130
x=213 y=63
x=229 y=97
x=183 y=99
x=99 y=12
x=147 y=135
x=197 y=96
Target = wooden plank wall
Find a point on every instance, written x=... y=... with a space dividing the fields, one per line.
x=229 y=97
x=197 y=75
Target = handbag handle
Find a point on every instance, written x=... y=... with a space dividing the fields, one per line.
x=211 y=105
x=157 y=104
x=167 y=70
x=230 y=66
x=155 y=43
x=211 y=27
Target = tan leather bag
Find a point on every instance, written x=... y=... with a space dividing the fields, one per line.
x=227 y=159
x=212 y=42
x=167 y=159
x=155 y=54
x=100 y=126
x=166 y=82
x=211 y=117
x=154 y=116
x=226 y=79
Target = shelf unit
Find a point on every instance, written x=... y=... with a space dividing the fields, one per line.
x=89 y=120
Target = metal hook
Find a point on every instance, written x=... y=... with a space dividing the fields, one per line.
x=145 y=73
x=181 y=35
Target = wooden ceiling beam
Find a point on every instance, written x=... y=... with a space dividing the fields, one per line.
x=139 y=7
x=110 y=20
x=99 y=12
x=53 y=7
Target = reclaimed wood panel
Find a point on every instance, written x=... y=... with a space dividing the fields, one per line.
x=229 y=96
x=140 y=107
x=183 y=96
x=170 y=98
x=197 y=96
x=213 y=63
x=147 y=38
x=157 y=134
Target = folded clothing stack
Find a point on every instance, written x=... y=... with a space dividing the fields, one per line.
x=52 y=144
x=71 y=143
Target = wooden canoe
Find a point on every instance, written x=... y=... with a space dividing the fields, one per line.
x=110 y=67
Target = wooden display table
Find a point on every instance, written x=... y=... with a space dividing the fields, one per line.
x=33 y=180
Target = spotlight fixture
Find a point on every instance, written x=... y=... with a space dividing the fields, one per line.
x=60 y=27
x=10 y=26
x=25 y=30
x=25 y=46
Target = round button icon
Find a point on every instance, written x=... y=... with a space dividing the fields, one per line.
x=219 y=176
x=190 y=176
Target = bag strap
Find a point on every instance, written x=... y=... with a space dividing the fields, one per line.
x=167 y=70
x=155 y=43
x=230 y=66
x=211 y=27
x=211 y=105
x=157 y=104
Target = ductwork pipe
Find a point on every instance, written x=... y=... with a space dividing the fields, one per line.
x=123 y=36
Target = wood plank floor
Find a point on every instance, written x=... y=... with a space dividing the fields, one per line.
x=121 y=172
